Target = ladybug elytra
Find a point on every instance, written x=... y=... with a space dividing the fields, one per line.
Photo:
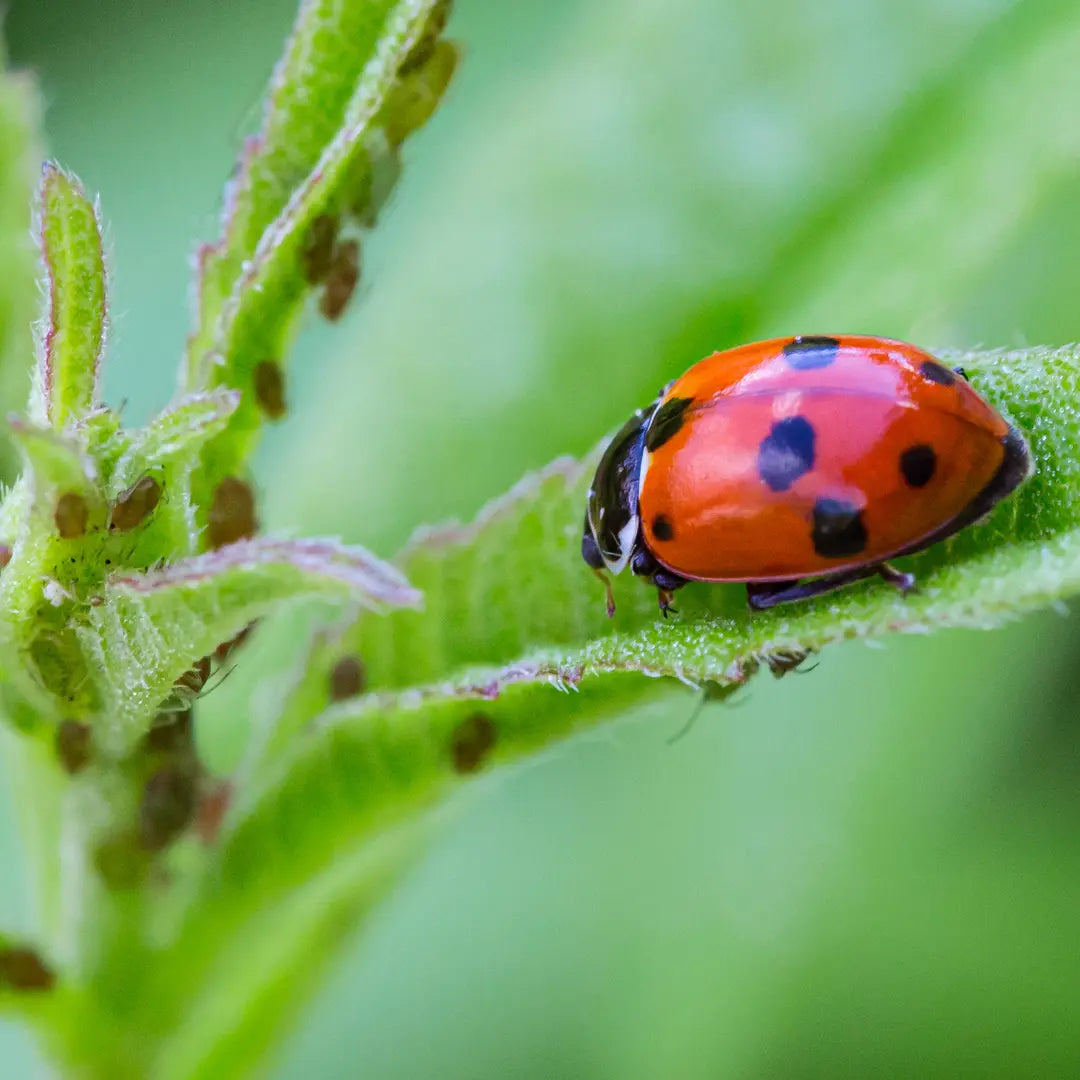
x=798 y=465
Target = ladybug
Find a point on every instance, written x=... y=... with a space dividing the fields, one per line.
x=798 y=465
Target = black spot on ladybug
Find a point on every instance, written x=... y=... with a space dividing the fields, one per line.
x=666 y=422
x=918 y=463
x=662 y=528
x=807 y=353
x=786 y=452
x=937 y=373
x=838 y=530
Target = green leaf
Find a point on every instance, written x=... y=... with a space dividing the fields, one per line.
x=256 y=321
x=68 y=377
x=168 y=450
x=330 y=44
x=509 y=600
x=385 y=759
x=151 y=627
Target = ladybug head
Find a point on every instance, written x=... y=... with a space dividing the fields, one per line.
x=611 y=513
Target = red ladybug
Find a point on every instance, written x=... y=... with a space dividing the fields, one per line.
x=811 y=458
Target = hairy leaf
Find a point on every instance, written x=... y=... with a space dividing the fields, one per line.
x=511 y=589
x=256 y=321
x=151 y=627
x=330 y=44
x=67 y=382
x=390 y=754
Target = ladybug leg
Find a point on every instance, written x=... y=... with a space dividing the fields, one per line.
x=666 y=583
x=590 y=552
x=962 y=373
x=898 y=579
x=609 y=593
x=644 y=565
x=762 y=595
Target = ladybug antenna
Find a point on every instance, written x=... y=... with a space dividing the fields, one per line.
x=608 y=592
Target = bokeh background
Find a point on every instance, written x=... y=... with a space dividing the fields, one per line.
x=868 y=870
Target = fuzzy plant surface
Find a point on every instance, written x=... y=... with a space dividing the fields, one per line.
x=184 y=918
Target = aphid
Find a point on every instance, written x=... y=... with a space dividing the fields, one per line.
x=21 y=968
x=135 y=505
x=316 y=255
x=341 y=280
x=70 y=516
x=232 y=513
x=172 y=733
x=226 y=648
x=346 y=678
x=194 y=679
x=167 y=807
x=798 y=465
x=471 y=742
x=269 y=385
x=416 y=95
x=73 y=748
x=5 y=555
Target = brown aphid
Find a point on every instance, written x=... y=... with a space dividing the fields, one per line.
x=167 y=807
x=341 y=281
x=227 y=648
x=21 y=968
x=70 y=516
x=73 y=745
x=5 y=555
x=471 y=742
x=172 y=733
x=316 y=255
x=346 y=678
x=269 y=385
x=135 y=505
x=213 y=805
x=784 y=660
x=232 y=513
x=194 y=679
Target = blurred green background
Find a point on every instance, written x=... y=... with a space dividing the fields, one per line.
x=867 y=870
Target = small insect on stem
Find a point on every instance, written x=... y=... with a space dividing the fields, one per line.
x=232 y=513
x=269 y=386
x=341 y=280
x=70 y=516
x=135 y=505
x=346 y=678
x=318 y=249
